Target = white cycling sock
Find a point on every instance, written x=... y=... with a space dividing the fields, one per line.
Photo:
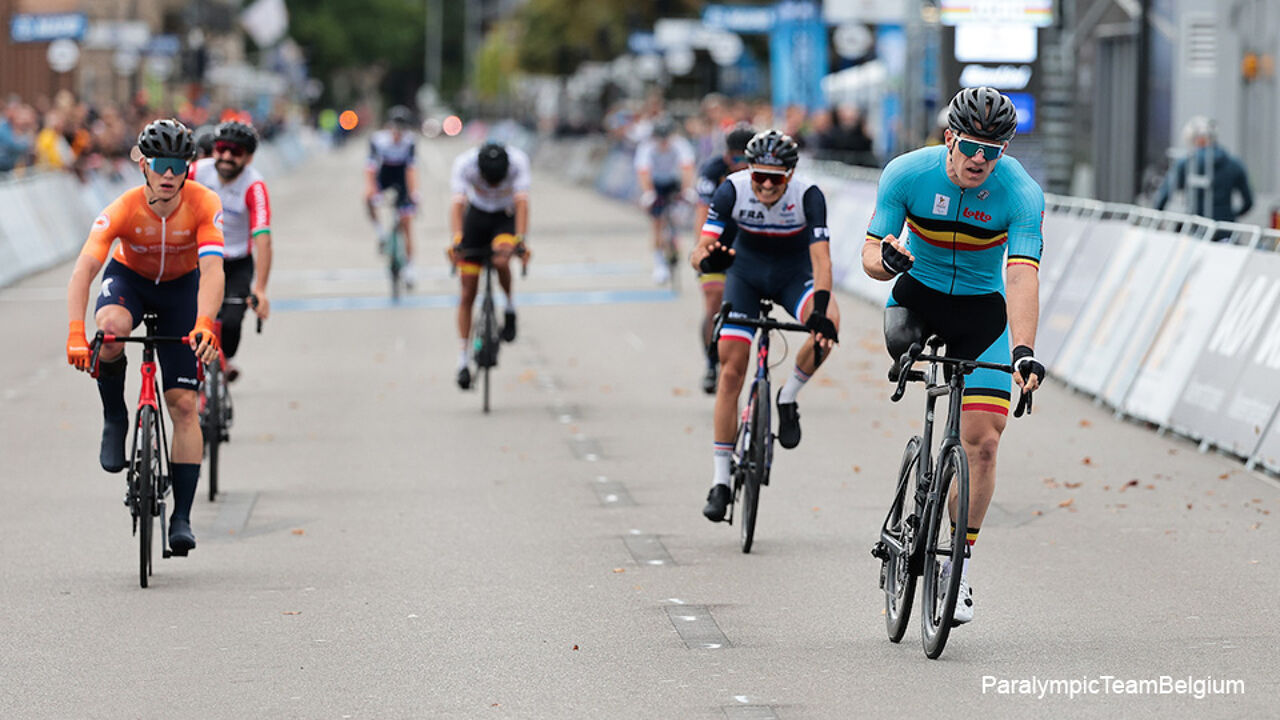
x=659 y=258
x=723 y=451
x=462 y=355
x=792 y=387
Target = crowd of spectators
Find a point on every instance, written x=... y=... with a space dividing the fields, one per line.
x=64 y=132
x=838 y=133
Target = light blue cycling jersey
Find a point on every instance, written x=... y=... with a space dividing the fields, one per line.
x=958 y=236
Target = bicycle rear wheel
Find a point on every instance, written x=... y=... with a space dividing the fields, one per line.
x=213 y=420
x=757 y=459
x=897 y=536
x=941 y=592
x=147 y=473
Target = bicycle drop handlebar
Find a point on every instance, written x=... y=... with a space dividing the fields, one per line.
x=916 y=353
x=102 y=338
x=762 y=323
x=485 y=254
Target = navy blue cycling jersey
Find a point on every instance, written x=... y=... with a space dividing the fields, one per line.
x=789 y=226
x=390 y=158
x=958 y=236
x=710 y=175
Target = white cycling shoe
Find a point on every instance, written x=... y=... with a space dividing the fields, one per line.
x=964 y=603
x=661 y=274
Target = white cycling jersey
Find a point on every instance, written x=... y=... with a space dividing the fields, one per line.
x=246 y=209
x=480 y=194
x=664 y=165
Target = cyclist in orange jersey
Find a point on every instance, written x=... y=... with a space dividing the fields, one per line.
x=169 y=262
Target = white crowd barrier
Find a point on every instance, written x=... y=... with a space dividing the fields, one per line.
x=45 y=217
x=1139 y=309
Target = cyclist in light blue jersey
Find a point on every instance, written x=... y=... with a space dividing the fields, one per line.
x=972 y=215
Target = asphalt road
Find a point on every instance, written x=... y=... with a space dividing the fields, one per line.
x=385 y=550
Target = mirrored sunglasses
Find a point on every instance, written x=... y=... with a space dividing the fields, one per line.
x=768 y=177
x=229 y=147
x=160 y=166
x=969 y=148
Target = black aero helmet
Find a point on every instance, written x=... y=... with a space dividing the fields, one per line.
x=241 y=134
x=494 y=162
x=738 y=137
x=664 y=127
x=166 y=139
x=983 y=112
x=770 y=147
x=204 y=138
x=400 y=115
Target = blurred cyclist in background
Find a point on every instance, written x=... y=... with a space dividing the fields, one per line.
x=391 y=167
x=664 y=170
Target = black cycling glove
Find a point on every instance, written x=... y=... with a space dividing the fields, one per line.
x=1025 y=363
x=818 y=321
x=717 y=261
x=892 y=260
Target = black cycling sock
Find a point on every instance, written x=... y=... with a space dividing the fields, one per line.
x=111 y=389
x=185 y=478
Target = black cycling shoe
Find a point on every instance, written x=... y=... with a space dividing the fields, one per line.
x=181 y=539
x=709 y=380
x=509 y=326
x=111 y=453
x=788 y=423
x=464 y=378
x=717 y=502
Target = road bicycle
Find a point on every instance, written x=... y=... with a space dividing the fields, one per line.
x=753 y=451
x=485 y=339
x=674 y=212
x=391 y=243
x=912 y=543
x=216 y=409
x=148 y=479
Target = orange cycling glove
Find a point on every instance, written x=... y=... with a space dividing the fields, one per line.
x=204 y=327
x=77 y=346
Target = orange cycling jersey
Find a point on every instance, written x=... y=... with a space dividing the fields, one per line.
x=159 y=248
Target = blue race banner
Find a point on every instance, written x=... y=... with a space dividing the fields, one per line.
x=798 y=54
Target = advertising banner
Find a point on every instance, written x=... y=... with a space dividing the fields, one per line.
x=1268 y=453
x=1084 y=267
x=1235 y=386
x=1104 y=326
x=1185 y=331
x=1147 y=306
x=1062 y=234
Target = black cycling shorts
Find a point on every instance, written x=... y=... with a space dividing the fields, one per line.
x=173 y=302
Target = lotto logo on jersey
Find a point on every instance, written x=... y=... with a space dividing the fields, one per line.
x=102 y=222
x=941 y=204
x=977 y=215
x=217 y=220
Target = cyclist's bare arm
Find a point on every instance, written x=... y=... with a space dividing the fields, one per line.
x=262 y=272
x=522 y=214
x=645 y=180
x=411 y=180
x=686 y=176
x=1022 y=287
x=209 y=299
x=820 y=258
x=86 y=269
x=457 y=207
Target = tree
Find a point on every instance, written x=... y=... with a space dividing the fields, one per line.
x=560 y=34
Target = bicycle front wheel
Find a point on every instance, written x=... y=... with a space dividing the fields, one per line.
x=897 y=536
x=489 y=343
x=757 y=460
x=146 y=477
x=395 y=255
x=944 y=551
x=213 y=423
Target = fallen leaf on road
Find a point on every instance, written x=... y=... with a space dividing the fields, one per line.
x=528 y=376
x=1253 y=562
x=679 y=392
x=688 y=429
x=857 y=469
x=1037 y=512
x=1188 y=506
x=1067 y=502
x=1208 y=492
x=1256 y=500
x=1173 y=451
x=575 y=647
x=619 y=570
x=1224 y=476
x=1087 y=461
x=1050 y=483
x=1106 y=487
x=298 y=531
x=1131 y=483
x=1085 y=423
x=1071 y=485
x=291 y=612
x=1151 y=487
x=1254 y=526
x=817 y=509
